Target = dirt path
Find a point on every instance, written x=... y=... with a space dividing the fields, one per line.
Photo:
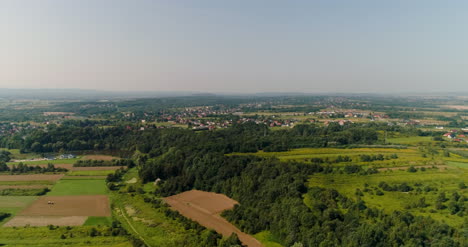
x=205 y=208
x=124 y=214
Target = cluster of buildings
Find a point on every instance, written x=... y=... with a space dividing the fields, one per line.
x=456 y=135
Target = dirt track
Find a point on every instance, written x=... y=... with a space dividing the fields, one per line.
x=97 y=205
x=205 y=207
x=46 y=220
x=34 y=177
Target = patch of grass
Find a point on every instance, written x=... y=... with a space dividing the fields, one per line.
x=267 y=239
x=90 y=173
x=98 y=221
x=410 y=140
x=15 y=154
x=45 y=162
x=72 y=187
x=62 y=236
x=14 y=204
x=458 y=164
x=39 y=182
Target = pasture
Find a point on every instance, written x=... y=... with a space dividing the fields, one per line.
x=14 y=204
x=62 y=236
x=69 y=187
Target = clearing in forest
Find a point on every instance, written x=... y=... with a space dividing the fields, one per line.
x=205 y=208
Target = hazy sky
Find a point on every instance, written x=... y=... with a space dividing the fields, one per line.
x=235 y=46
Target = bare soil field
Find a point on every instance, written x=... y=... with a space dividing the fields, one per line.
x=442 y=167
x=20 y=221
x=96 y=205
x=457 y=107
x=99 y=157
x=34 y=177
x=205 y=208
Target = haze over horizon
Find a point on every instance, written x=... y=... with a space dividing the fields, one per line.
x=235 y=46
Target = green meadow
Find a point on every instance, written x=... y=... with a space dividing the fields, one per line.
x=90 y=173
x=98 y=221
x=70 y=187
x=57 y=237
x=14 y=204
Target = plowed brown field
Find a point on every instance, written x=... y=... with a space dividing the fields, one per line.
x=205 y=207
x=96 y=205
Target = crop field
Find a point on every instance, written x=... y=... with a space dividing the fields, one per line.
x=68 y=187
x=413 y=140
x=98 y=172
x=35 y=177
x=97 y=205
x=45 y=162
x=99 y=157
x=426 y=184
x=96 y=168
x=205 y=207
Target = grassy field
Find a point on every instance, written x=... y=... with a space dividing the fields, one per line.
x=42 y=162
x=267 y=239
x=439 y=180
x=412 y=140
x=98 y=221
x=62 y=236
x=42 y=182
x=15 y=154
x=90 y=173
x=70 y=187
x=14 y=204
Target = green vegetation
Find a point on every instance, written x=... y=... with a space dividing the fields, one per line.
x=62 y=236
x=307 y=170
x=24 y=192
x=14 y=204
x=45 y=162
x=91 y=173
x=423 y=185
x=79 y=187
x=267 y=239
x=98 y=221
